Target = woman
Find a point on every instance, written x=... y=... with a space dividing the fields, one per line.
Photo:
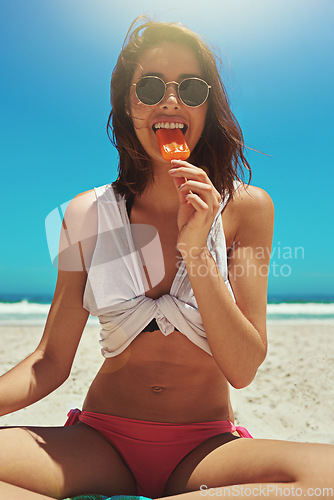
x=166 y=258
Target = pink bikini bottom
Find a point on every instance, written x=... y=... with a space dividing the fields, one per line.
x=152 y=450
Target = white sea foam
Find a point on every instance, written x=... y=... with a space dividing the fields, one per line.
x=23 y=307
x=25 y=312
x=308 y=308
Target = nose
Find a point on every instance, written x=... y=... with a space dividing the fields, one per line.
x=171 y=98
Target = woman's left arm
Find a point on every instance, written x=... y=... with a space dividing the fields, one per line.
x=236 y=331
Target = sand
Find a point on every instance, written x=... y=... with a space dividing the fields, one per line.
x=291 y=397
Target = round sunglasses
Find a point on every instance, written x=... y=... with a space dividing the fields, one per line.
x=193 y=92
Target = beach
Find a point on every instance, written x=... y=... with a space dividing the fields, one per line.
x=291 y=397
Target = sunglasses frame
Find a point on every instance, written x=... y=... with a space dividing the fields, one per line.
x=177 y=89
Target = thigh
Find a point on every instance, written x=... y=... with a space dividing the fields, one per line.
x=217 y=462
x=62 y=461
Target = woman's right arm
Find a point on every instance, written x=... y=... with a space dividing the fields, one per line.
x=50 y=364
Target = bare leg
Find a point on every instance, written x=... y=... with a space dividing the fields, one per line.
x=59 y=462
x=10 y=492
x=251 y=463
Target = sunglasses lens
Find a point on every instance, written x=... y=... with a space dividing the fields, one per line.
x=193 y=92
x=150 y=90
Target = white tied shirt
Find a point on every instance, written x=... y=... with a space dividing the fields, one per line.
x=116 y=282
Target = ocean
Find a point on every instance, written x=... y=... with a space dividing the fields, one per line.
x=33 y=310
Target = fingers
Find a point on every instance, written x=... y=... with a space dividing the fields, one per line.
x=188 y=179
x=187 y=170
x=199 y=199
x=198 y=204
x=206 y=191
x=178 y=182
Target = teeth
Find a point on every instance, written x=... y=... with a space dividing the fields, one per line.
x=168 y=125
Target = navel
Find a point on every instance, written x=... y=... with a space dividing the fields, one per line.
x=157 y=388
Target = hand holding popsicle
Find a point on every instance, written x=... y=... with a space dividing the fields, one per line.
x=196 y=211
x=199 y=202
x=173 y=146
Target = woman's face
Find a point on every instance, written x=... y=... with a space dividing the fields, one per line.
x=171 y=62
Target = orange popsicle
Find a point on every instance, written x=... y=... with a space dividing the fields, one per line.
x=172 y=144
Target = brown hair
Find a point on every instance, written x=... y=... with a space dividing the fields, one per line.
x=221 y=147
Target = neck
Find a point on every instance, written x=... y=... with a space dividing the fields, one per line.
x=161 y=196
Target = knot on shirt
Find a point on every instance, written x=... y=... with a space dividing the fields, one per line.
x=164 y=325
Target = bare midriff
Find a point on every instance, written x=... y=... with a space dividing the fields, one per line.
x=162 y=379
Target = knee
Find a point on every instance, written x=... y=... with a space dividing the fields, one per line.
x=10 y=439
x=316 y=470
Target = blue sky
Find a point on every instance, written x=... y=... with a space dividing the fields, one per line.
x=56 y=61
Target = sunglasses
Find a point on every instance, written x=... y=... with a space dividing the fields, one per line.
x=193 y=92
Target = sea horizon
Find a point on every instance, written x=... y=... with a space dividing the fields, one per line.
x=33 y=308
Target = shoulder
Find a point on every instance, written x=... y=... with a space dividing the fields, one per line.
x=249 y=199
x=79 y=231
x=80 y=209
x=81 y=214
x=81 y=203
x=250 y=211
